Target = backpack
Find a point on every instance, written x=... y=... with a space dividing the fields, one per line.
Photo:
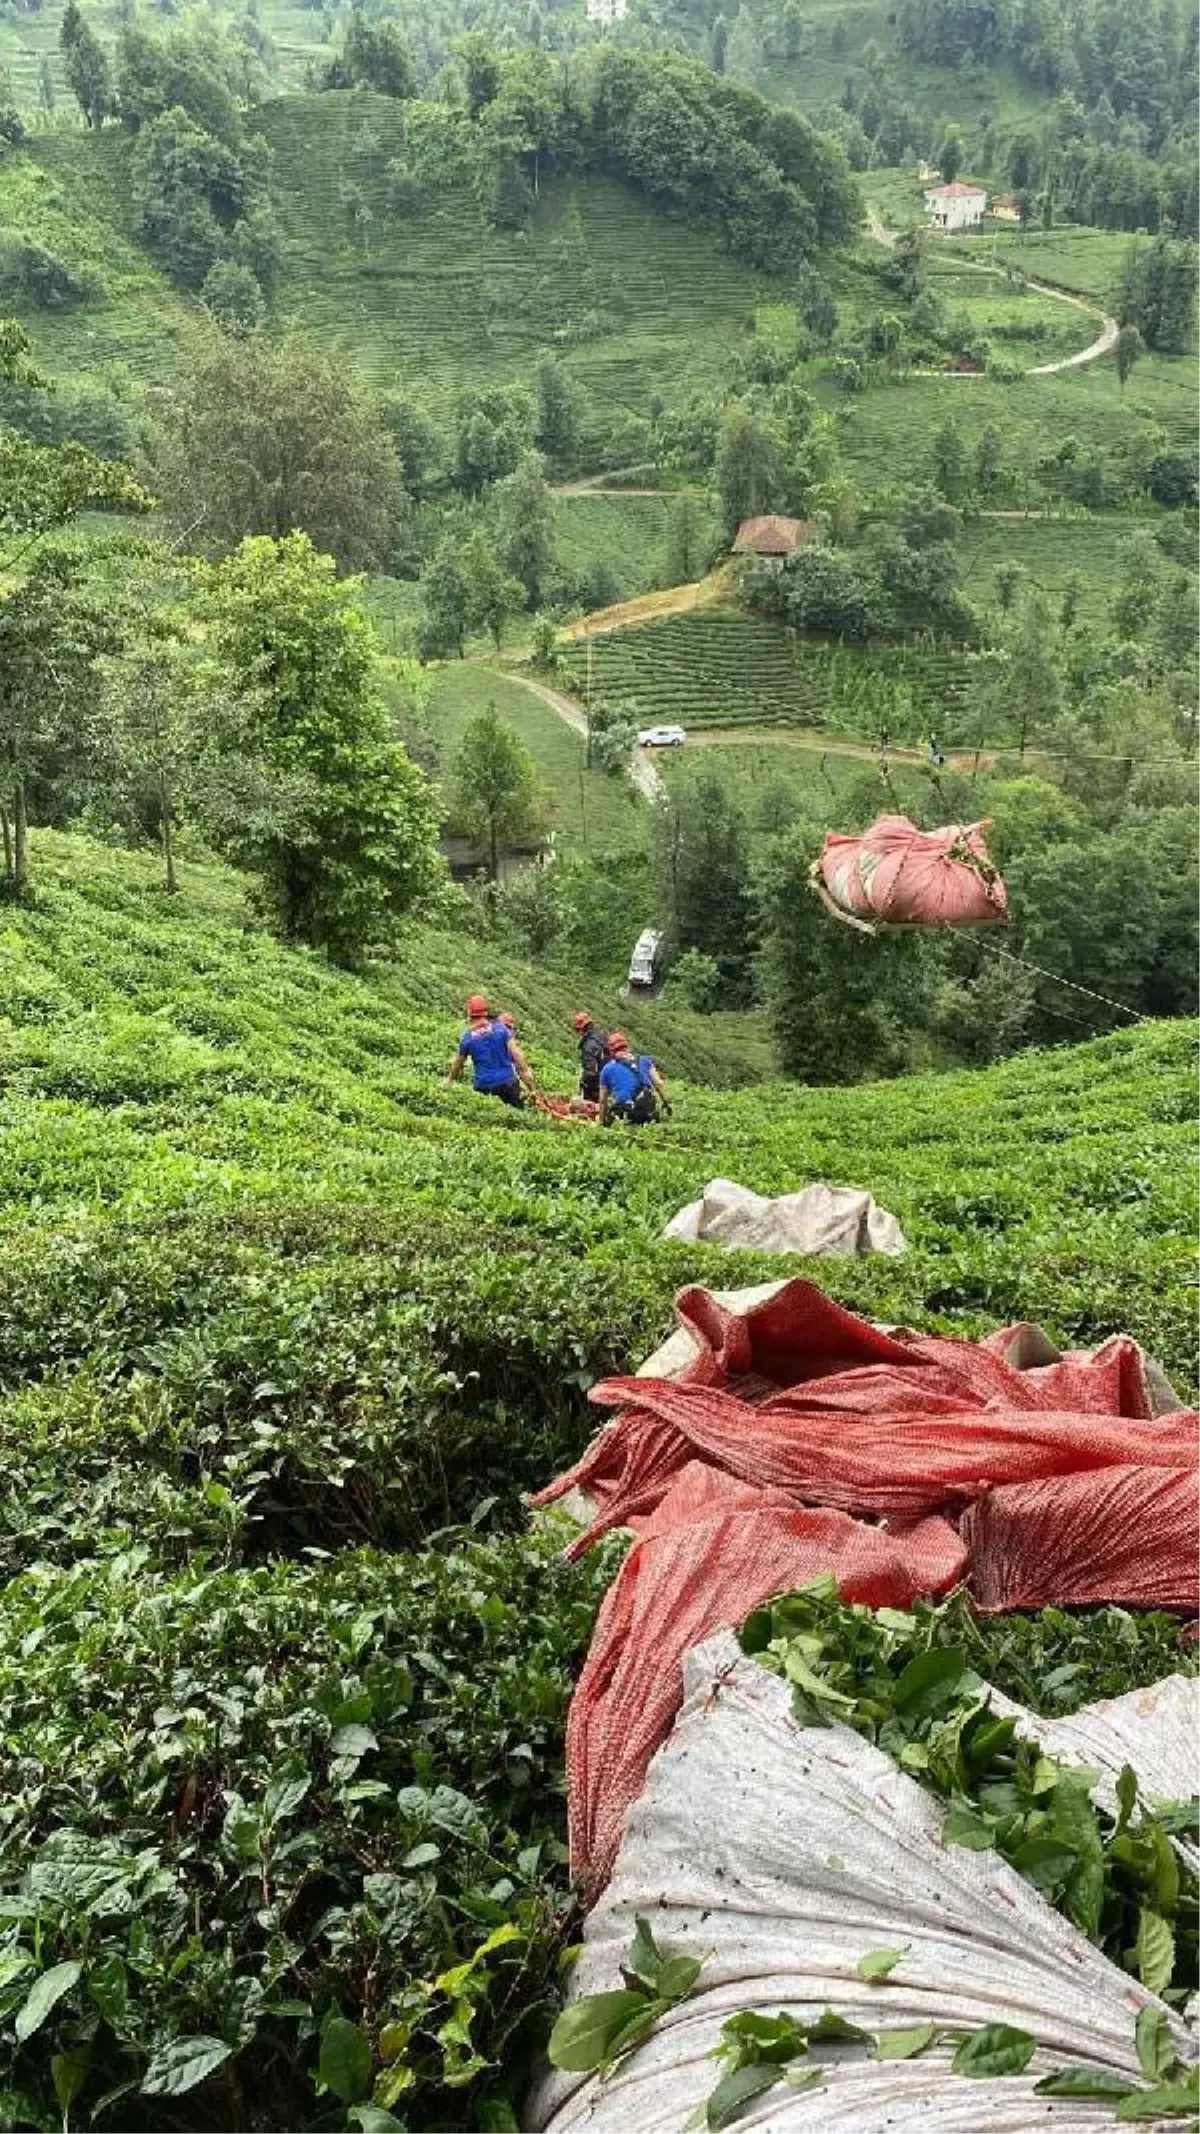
x=642 y=1107
x=593 y=1053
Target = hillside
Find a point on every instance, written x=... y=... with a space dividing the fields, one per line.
x=277 y=1306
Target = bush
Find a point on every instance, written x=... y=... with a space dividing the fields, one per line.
x=697 y=978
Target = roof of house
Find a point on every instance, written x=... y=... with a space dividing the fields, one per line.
x=773 y=535
x=957 y=192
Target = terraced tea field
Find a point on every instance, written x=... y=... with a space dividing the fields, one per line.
x=715 y=667
x=437 y=300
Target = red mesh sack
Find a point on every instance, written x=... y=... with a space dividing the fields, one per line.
x=710 y=1554
x=897 y=875
x=1124 y=1534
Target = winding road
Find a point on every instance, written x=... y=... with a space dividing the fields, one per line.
x=1103 y=343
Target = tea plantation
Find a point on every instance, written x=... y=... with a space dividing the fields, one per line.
x=286 y=1329
x=719 y=668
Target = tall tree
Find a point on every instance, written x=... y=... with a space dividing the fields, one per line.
x=496 y=796
x=557 y=430
x=151 y=723
x=271 y=437
x=492 y=594
x=703 y=868
x=54 y=625
x=445 y=600
x=748 y=468
x=525 y=527
x=950 y=154
x=375 y=54
x=86 y=66
x=1126 y=349
x=689 y=538
x=356 y=848
x=839 y=1001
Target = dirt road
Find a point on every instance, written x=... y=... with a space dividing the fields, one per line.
x=572 y=714
x=1101 y=346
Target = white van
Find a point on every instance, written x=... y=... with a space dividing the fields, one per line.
x=643 y=964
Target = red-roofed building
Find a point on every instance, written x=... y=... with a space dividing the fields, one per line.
x=956 y=207
x=773 y=537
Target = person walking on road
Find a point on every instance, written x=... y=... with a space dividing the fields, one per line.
x=593 y=1051
x=631 y=1088
x=498 y=1065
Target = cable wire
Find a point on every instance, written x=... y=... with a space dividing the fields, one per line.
x=993 y=949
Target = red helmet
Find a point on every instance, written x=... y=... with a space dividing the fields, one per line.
x=477 y=1004
x=617 y=1041
x=581 y=1019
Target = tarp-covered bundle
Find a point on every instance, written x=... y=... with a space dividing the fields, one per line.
x=821 y=1220
x=896 y=875
x=799 y=1439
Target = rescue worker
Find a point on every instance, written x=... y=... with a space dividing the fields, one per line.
x=593 y=1051
x=631 y=1088
x=498 y=1065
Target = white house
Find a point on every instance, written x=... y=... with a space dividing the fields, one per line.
x=953 y=207
x=607 y=11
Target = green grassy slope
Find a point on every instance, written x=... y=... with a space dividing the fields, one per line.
x=285 y=1329
x=67 y=193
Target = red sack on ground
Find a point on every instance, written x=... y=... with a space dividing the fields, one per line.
x=896 y=875
x=710 y=1554
x=1125 y=1534
x=738 y=1478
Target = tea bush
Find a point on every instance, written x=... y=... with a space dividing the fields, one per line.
x=286 y=1330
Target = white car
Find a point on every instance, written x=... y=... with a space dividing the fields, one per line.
x=661 y=737
x=643 y=964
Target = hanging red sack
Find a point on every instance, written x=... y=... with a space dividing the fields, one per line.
x=897 y=875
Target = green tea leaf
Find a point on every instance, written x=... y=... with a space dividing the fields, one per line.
x=633 y=2032
x=1171 y=2101
x=1154 y=1950
x=1127 y=1793
x=345 y=2063
x=879 y=1964
x=997 y=2049
x=182 y=2065
x=1085 y=2082
x=1152 y=2036
x=68 y=2073
x=43 y=1995
x=581 y=2037
x=736 y=2091
x=929 y=1680
x=645 y=1958
x=750 y=2037
x=831 y=2028
x=678 y=1976
x=904 y=2044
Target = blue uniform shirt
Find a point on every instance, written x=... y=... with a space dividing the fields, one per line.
x=488 y=1046
x=623 y=1080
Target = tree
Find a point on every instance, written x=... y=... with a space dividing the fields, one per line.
x=748 y=468
x=1010 y=577
x=989 y=459
x=1156 y=293
x=356 y=846
x=904 y=270
x=187 y=189
x=375 y=54
x=815 y=307
x=445 y=600
x=47 y=95
x=950 y=155
x=611 y=734
x=496 y=796
x=949 y=461
x=480 y=63
x=232 y=293
x=718 y=44
x=492 y=595
x=840 y=1002
x=525 y=527
x=53 y=627
x=703 y=870
x=151 y=720
x=270 y=437
x=86 y=66
x=557 y=426
x=689 y=538
x=1126 y=349
x=1068 y=606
